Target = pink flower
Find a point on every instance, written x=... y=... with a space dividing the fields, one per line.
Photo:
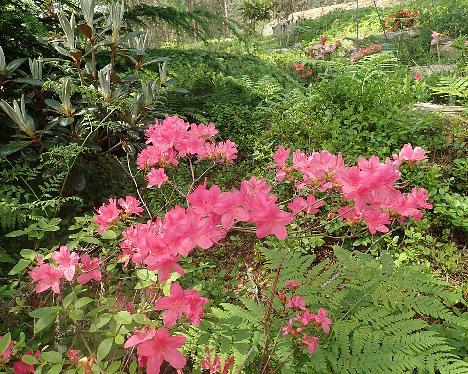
x=308 y=205
x=89 y=269
x=46 y=277
x=311 y=343
x=436 y=37
x=156 y=177
x=181 y=302
x=214 y=366
x=306 y=318
x=156 y=346
x=281 y=155
x=299 y=67
x=289 y=329
x=376 y=220
x=131 y=205
x=269 y=218
x=296 y=302
x=322 y=319
x=72 y=355
x=165 y=266
x=107 y=215
x=292 y=284
x=418 y=76
x=409 y=154
x=67 y=262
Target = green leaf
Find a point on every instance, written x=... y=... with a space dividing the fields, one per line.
x=82 y=302
x=55 y=369
x=104 y=348
x=133 y=368
x=76 y=314
x=15 y=234
x=52 y=357
x=44 y=312
x=5 y=342
x=119 y=339
x=28 y=254
x=12 y=147
x=28 y=359
x=100 y=321
x=20 y=266
x=43 y=323
x=113 y=367
x=123 y=317
x=67 y=300
x=109 y=234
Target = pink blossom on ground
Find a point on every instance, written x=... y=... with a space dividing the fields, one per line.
x=131 y=205
x=156 y=177
x=90 y=269
x=66 y=261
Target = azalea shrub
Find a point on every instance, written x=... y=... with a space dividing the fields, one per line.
x=114 y=298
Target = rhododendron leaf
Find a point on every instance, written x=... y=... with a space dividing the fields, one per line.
x=167 y=285
x=44 y=312
x=141 y=319
x=113 y=367
x=104 y=348
x=28 y=359
x=133 y=367
x=67 y=300
x=119 y=339
x=109 y=234
x=20 y=266
x=82 y=302
x=52 y=357
x=57 y=369
x=43 y=323
x=100 y=321
x=5 y=342
x=28 y=254
x=123 y=317
x=76 y=314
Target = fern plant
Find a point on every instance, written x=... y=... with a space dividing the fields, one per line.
x=383 y=318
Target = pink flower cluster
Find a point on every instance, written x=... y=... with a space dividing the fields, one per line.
x=214 y=365
x=155 y=346
x=67 y=264
x=305 y=319
x=306 y=72
x=108 y=214
x=322 y=51
x=370 y=186
x=172 y=139
x=370 y=50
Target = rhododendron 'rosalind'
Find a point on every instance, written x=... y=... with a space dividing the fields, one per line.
x=296 y=302
x=407 y=153
x=181 y=302
x=131 y=205
x=107 y=215
x=156 y=346
x=90 y=269
x=311 y=343
x=156 y=177
x=322 y=320
x=66 y=261
x=214 y=365
x=46 y=276
x=289 y=329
